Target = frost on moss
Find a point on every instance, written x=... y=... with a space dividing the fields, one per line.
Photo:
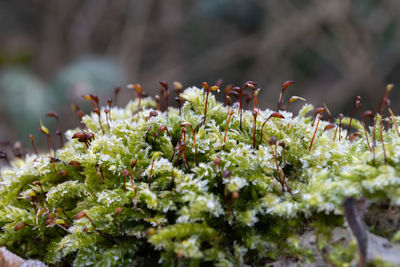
x=231 y=208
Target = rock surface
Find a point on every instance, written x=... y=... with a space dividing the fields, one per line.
x=378 y=248
x=9 y=259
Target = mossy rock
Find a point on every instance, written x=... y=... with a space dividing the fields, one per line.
x=193 y=201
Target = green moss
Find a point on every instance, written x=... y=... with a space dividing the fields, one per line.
x=187 y=215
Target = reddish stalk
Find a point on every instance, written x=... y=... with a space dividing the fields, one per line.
x=125 y=173
x=58 y=132
x=229 y=103
x=184 y=124
x=161 y=129
x=256 y=92
x=227 y=126
x=157 y=97
x=205 y=108
x=109 y=103
x=356 y=102
x=50 y=142
x=328 y=112
x=330 y=127
x=118 y=211
x=164 y=92
x=385 y=100
x=107 y=111
x=32 y=138
x=101 y=171
x=317 y=111
x=370 y=114
x=341 y=116
x=207 y=89
x=394 y=121
x=133 y=164
x=245 y=85
x=334 y=135
x=226 y=174
x=272 y=141
x=381 y=137
x=284 y=86
x=178 y=144
x=82 y=214
x=178 y=88
x=97 y=111
x=217 y=162
x=181 y=148
x=283 y=145
x=139 y=91
x=273 y=115
x=364 y=126
x=235 y=195
x=53 y=161
x=151 y=172
x=255 y=113
x=146 y=138
x=34 y=194
x=316 y=128
x=183 y=152
x=41 y=188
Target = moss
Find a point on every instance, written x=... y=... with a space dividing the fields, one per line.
x=248 y=208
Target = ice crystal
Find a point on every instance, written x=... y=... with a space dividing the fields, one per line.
x=238 y=205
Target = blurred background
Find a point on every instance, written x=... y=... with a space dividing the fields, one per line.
x=51 y=52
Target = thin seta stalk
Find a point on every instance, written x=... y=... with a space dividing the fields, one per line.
x=318 y=115
x=184 y=124
x=50 y=142
x=83 y=214
x=356 y=102
x=282 y=178
x=208 y=89
x=255 y=113
x=284 y=86
x=227 y=126
x=382 y=141
x=394 y=121
x=273 y=115
x=155 y=156
x=32 y=138
x=370 y=114
x=58 y=132
x=135 y=188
